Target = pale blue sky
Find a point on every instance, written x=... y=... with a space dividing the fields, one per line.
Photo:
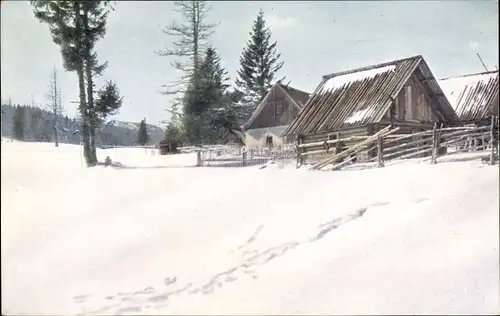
x=314 y=38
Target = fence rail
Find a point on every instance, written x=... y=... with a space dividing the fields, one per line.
x=387 y=145
x=240 y=157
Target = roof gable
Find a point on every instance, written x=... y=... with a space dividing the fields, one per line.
x=472 y=96
x=235 y=133
x=296 y=97
x=362 y=96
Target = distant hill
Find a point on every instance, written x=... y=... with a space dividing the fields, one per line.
x=38 y=127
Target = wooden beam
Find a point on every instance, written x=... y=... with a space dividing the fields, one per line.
x=352 y=149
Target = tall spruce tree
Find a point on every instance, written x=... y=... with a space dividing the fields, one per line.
x=205 y=98
x=94 y=18
x=259 y=63
x=64 y=19
x=142 y=133
x=219 y=107
x=18 y=123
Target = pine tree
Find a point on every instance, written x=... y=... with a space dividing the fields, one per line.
x=173 y=137
x=76 y=26
x=94 y=18
x=35 y=124
x=259 y=63
x=18 y=123
x=142 y=133
x=204 y=97
x=107 y=103
x=65 y=24
x=219 y=107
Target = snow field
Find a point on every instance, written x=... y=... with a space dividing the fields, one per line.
x=167 y=238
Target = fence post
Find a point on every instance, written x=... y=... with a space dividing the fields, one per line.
x=380 y=152
x=198 y=158
x=298 y=152
x=493 y=141
x=244 y=158
x=435 y=144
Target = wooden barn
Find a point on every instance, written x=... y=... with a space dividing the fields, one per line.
x=278 y=109
x=402 y=93
x=474 y=97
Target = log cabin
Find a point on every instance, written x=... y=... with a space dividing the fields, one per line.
x=474 y=97
x=360 y=102
x=278 y=109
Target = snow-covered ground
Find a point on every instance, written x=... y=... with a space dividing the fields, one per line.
x=161 y=238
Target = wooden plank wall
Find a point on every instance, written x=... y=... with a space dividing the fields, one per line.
x=278 y=110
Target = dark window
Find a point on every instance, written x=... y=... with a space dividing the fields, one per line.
x=269 y=140
x=279 y=109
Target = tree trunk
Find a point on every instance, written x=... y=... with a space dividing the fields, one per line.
x=56 y=139
x=87 y=153
x=90 y=88
x=196 y=27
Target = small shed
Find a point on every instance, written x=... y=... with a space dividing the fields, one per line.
x=360 y=102
x=278 y=109
x=167 y=147
x=474 y=97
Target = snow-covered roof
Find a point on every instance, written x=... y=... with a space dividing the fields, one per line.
x=340 y=81
x=472 y=96
x=362 y=96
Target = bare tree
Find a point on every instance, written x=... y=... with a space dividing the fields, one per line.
x=190 y=38
x=55 y=105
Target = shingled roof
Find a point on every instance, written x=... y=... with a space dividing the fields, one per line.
x=363 y=96
x=472 y=96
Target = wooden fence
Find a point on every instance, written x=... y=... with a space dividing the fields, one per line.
x=388 y=145
x=239 y=157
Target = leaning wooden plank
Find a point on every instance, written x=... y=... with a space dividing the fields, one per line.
x=343 y=163
x=318 y=151
x=352 y=149
x=332 y=141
